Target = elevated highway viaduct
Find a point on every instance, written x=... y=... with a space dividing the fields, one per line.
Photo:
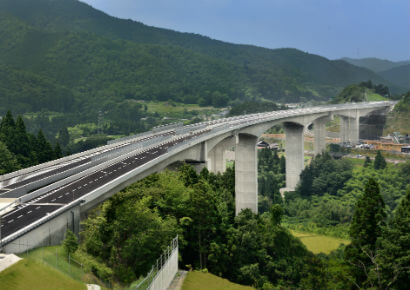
x=50 y=198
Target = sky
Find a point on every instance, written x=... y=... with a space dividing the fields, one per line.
x=331 y=28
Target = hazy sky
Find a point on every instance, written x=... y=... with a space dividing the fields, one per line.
x=332 y=28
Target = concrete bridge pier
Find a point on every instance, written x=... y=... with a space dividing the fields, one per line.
x=216 y=160
x=319 y=129
x=294 y=148
x=349 y=129
x=246 y=173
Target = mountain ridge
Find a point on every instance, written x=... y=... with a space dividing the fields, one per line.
x=399 y=75
x=96 y=59
x=375 y=64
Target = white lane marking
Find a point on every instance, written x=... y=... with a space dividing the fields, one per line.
x=39 y=207
x=60 y=196
x=29 y=211
x=66 y=193
x=79 y=187
x=19 y=216
x=10 y=221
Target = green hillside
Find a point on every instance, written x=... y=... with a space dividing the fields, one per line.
x=375 y=64
x=31 y=274
x=399 y=119
x=362 y=92
x=63 y=63
x=87 y=50
x=196 y=280
x=399 y=76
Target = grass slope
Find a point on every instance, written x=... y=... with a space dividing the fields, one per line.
x=205 y=281
x=54 y=257
x=31 y=274
x=319 y=243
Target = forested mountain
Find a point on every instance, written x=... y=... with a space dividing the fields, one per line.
x=86 y=59
x=400 y=76
x=375 y=64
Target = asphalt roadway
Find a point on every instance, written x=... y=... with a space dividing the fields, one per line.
x=4 y=194
x=25 y=214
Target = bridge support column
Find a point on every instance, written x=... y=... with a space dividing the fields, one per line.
x=349 y=129
x=216 y=157
x=246 y=173
x=319 y=128
x=294 y=154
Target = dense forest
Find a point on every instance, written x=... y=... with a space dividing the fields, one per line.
x=250 y=107
x=19 y=149
x=325 y=198
x=251 y=249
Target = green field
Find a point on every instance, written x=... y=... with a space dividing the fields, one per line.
x=205 y=281
x=319 y=243
x=172 y=107
x=373 y=97
x=54 y=257
x=32 y=274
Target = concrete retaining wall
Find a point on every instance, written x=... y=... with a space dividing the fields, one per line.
x=51 y=232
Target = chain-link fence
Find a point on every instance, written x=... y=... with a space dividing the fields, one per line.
x=163 y=271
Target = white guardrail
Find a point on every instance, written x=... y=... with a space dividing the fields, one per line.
x=163 y=271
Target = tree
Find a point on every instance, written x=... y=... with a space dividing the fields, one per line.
x=204 y=214
x=44 y=150
x=63 y=137
x=188 y=174
x=57 y=151
x=365 y=230
x=379 y=161
x=7 y=130
x=8 y=161
x=21 y=143
x=395 y=253
x=276 y=213
x=70 y=243
x=367 y=162
x=282 y=165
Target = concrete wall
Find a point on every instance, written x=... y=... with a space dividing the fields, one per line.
x=51 y=232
